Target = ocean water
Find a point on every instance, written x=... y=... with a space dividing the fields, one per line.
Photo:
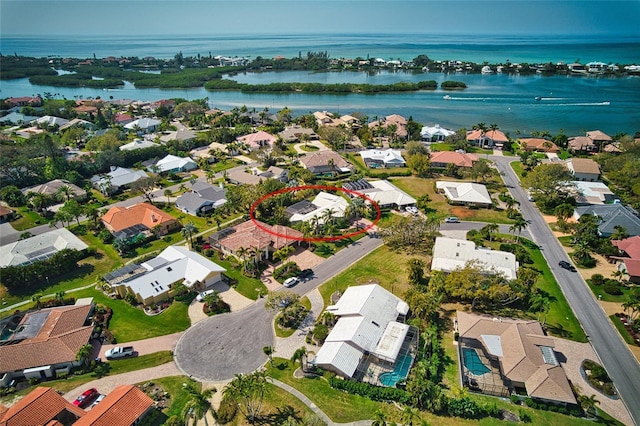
x=571 y=103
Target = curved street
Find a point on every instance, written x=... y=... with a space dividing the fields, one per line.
x=622 y=366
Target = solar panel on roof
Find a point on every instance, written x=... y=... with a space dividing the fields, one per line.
x=548 y=355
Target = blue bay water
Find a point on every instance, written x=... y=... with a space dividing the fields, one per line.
x=574 y=104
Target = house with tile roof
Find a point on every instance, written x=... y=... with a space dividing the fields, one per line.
x=538 y=145
x=610 y=216
x=34 y=101
x=394 y=119
x=41 y=406
x=487 y=139
x=450 y=254
x=5 y=214
x=44 y=343
x=629 y=259
x=118 y=179
x=257 y=140
x=141 y=218
x=444 y=158
x=325 y=163
x=152 y=281
x=254 y=235
x=126 y=405
x=584 y=169
x=295 y=134
x=201 y=199
x=39 y=247
x=465 y=193
x=376 y=158
x=52 y=189
x=370 y=339
x=500 y=356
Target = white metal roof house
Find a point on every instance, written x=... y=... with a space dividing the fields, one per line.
x=322 y=203
x=39 y=247
x=465 y=193
x=435 y=133
x=171 y=163
x=138 y=144
x=151 y=281
x=376 y=158
x=383 y=192
x=146 y=125
x=450 y=254
x=116 y=179
x=370 y=330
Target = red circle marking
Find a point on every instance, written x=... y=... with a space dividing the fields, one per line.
x=324 y=188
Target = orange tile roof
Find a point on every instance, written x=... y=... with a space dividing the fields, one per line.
x=119 y=218
x=123 y=406
x=58 y=340
x=39 y=407
x=539 y=144
x=630 y=245
x=460 y=160
x=495 y=135
x=248 y=235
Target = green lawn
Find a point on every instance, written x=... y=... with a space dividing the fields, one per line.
x=309 y=148
x=517 y=167
x=28 y=219
x=130 y=323
x=329 y=248
x=441 y=146
x=417 y=187
x=248 y=287
x=622 y=330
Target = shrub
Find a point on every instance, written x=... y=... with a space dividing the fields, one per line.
x=597 y=279
x=514 y=398
x=612 y=287
x=289 y=269
x=227 y=411
x=375 y=393
x=320 y=332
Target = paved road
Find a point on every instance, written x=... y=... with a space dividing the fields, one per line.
x=616 y=357
x=217 y=348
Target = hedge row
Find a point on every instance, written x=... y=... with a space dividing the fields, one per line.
x=375 y=393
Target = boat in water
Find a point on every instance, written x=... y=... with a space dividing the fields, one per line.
x=446 y=97
x=537 y=98
x=486 y=70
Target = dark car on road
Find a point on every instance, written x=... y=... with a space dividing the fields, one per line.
x=566 y=265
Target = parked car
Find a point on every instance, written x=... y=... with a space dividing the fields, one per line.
x=566 y=265
x=200 y=297
x=305 y=273
x=452 y=219
x=98 y=399
x=290 y=282
x=86 y=398
x=411 y=209
x=119 y=352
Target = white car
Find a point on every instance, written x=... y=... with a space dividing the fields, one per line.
x=98 y=399
x=412 y=210
x=200 y=297
x=452 y=219
x=290 y=282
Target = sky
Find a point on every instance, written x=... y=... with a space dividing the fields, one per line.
x=214 y=17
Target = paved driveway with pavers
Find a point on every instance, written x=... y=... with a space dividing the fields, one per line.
x=217 y=348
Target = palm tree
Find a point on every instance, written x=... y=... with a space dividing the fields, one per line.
x=248 y=392
x=167 y=193
x=618 y=275
x=268 y=351
x=589 y=403
x=66 y=192
x=242 y=253
x=188 y=230
x=300 y=355
x=60 y=295
x=328 y=216
x=84 y=353
x=36 y=298
x=409 y=415
x=519 y=225
x=491 y=229
x=199 y=403
x=379 y=418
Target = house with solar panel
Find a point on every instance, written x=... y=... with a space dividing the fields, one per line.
x=370 y=342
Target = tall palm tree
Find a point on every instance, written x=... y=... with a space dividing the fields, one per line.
x=248 y=391
x=84 y=353
x=66 y=192
x=300 y=355
x=188 y=231
x=199 y=404
x=242 y=253
x=491 y=228
x=518 y=226
x=589 y=403
x=168 y=193
x=328 y=216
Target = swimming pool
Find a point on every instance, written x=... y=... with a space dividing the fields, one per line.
x=400 y=372
x=472 y=362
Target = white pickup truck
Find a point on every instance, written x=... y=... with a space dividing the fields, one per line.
x=119 y=352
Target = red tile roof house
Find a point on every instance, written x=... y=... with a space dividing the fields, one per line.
x=538 y=145
x=444 y=158
x=394 y=119
x=248 y=235
x=41 y=406
x=257 y=140
x=630 y=257
x=34 y=101
x=487 y=139
x=46 y=344
x=126 y=405
x=137 y=219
